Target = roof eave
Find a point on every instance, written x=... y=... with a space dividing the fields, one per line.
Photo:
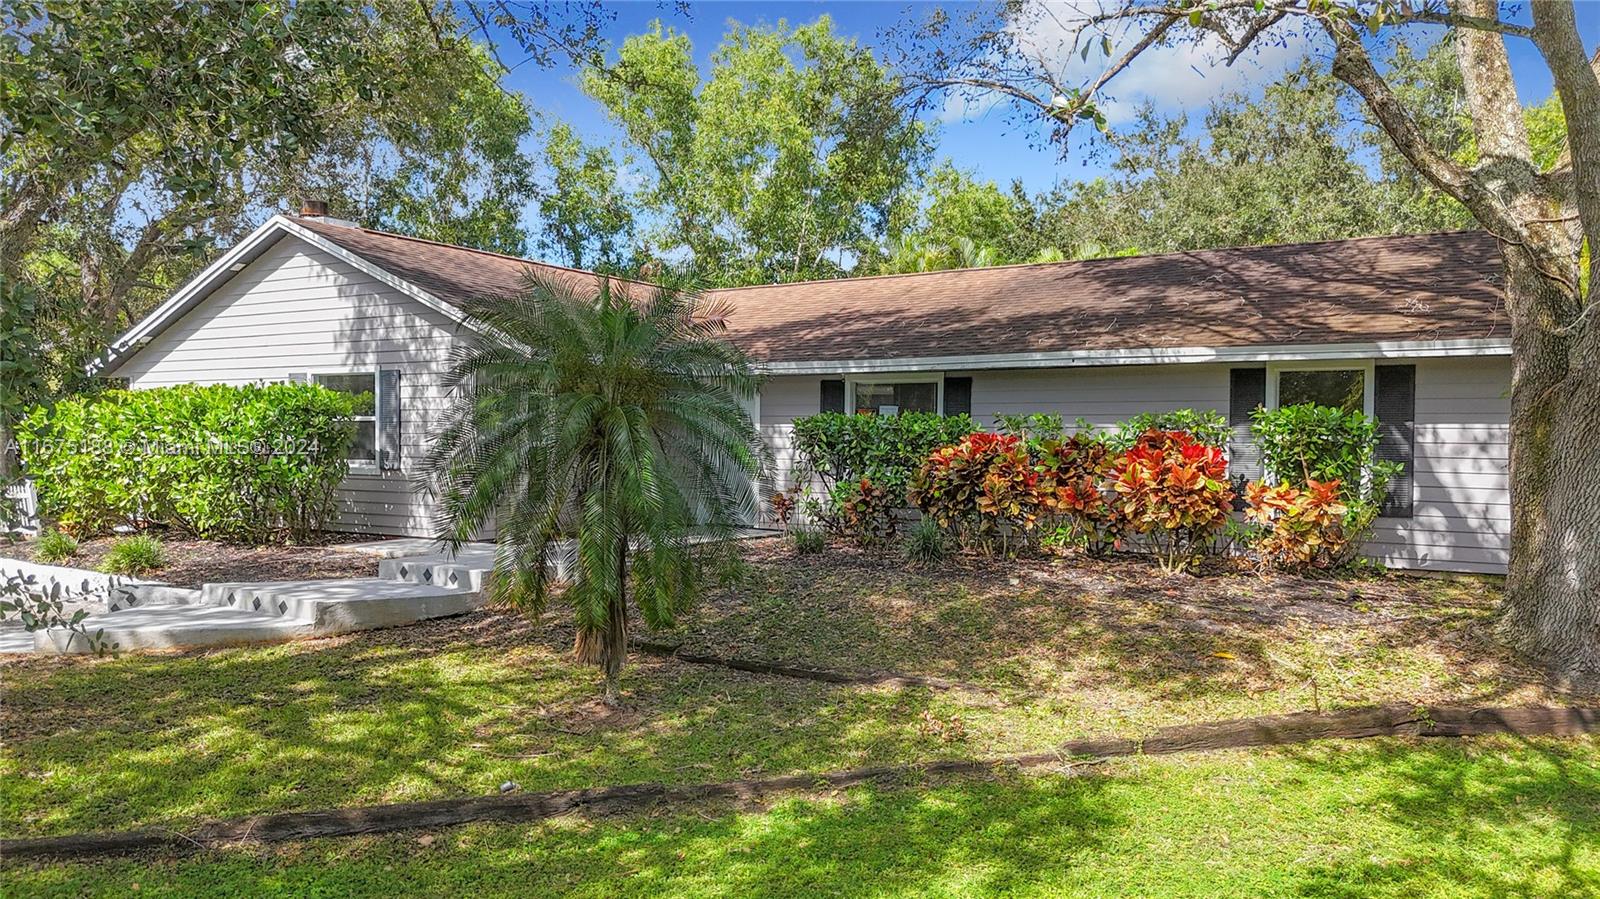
x=1391 y=349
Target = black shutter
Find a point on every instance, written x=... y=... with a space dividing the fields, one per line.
x=833 y=396
x=389 y=419
x=958 y=396
x=1247 y=392
x=1395 y=402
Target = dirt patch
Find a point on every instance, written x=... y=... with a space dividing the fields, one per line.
x=191 y=563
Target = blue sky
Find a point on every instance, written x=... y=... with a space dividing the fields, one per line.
x=987 y=142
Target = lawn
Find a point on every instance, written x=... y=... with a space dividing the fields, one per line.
x=458 y=707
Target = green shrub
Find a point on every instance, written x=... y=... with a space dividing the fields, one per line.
x=808 y=540
x=840 y=449
x=1208 y=427
x=926 y=545
x=241 y=462
x=1308 y=446
x=135 y=556
x=1307 y=443
x=54 y=547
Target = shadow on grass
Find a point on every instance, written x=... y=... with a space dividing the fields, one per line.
x=1037 y=627
x=1470 y=798
x=449 y=708
x=1397 y=818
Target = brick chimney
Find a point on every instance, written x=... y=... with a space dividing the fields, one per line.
x=317 y=210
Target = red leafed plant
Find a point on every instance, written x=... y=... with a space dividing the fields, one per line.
x=869 y=514
x=974 y=486
x=1173 y=491
x=783 y=506
x=1301 y=527
x=1075 y=474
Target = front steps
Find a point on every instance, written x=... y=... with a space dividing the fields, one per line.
x=409 y=588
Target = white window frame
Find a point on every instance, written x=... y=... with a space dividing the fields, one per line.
x=1367 y=367
x=910 y=377
x=363 y=466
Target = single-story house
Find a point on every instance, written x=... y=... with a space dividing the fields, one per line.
x=1411 y=329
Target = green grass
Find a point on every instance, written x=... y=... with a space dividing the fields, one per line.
x=1491 y=817
x=458 y=707
x=455 y=708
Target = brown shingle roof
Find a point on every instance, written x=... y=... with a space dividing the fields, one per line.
x=1420 y=287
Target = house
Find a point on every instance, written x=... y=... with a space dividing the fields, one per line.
x=1411 y=329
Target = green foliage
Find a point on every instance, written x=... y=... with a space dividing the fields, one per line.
x=588 y=220
x=840 y=448
x=240 y=462
x=1305 y=443
x=1208 y=427
x=927 y=545
x=958 y=221
x=808 y=541
x=54 y=547
x=613 y=420
x=1036 y=428
x=135 y=556
x=784 y=159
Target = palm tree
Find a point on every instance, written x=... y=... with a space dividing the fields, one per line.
x=605 y=418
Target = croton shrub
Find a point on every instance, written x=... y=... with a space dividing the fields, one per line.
x=1172 y=491
x=977 y=486
x=1300 y=527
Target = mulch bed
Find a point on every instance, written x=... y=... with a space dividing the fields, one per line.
x=191 y=563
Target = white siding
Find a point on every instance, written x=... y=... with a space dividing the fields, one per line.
x=1462 y=513
x=296 y=309
x=784 y=399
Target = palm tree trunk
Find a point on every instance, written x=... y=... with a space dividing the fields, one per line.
x=615 y=650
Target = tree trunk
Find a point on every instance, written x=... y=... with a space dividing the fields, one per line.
x=1552 y=605
x=616 y=636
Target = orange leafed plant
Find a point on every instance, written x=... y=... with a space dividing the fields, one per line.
x=1173 y=491
x=1302 y=527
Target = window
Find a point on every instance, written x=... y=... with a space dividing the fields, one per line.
x=363 y=453
x=893 y=397
x=1342 y=387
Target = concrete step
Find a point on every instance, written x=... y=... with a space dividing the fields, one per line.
x=344 y=602
x=173 y=627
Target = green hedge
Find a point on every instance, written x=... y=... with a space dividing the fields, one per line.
x=239 y=462
x=842 y=449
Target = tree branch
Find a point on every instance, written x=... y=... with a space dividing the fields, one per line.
x=1578 y=84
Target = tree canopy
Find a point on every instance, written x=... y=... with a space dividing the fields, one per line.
x=784 y=162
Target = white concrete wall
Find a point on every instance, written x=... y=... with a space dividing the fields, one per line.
x=296 y=309
x=1462 y=512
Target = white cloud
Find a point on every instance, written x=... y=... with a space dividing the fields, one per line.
x=1185 y=75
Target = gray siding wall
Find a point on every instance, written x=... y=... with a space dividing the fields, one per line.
x=1462 y=514
x=296 y=309
x=1462 y=519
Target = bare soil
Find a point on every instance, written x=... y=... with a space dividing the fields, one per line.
x=191 y=563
